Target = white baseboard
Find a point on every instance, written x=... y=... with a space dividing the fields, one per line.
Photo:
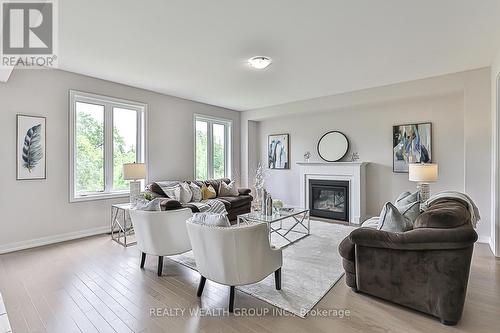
x=484 y=239
x=27 y=244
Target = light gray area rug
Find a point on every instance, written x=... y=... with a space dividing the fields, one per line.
x=311 y=267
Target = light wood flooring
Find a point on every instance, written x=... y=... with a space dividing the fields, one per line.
x=95 y=285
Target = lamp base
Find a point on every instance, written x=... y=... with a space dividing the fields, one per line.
x=135 y=191
x=424 y=191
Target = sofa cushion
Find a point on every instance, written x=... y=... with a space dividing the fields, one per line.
x=371 y=223
x=444 y=213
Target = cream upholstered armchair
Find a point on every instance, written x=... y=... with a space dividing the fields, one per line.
x=234 y=256
x=161 y=233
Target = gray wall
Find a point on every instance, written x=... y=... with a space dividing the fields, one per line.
x=458 y=106
x=38 y=211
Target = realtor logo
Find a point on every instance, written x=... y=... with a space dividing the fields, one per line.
x=28 y=33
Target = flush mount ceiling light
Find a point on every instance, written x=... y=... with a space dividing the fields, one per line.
x=259 y=62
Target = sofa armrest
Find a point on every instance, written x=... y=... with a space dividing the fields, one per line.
x=244 y=191
x=417 y=239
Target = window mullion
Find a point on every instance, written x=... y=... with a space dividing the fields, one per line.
x=210 y=150
x=108 y=147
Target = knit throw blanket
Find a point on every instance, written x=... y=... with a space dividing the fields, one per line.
x=473 y=210
x=210 y=206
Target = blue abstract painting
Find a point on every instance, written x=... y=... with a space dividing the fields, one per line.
x=278 y=157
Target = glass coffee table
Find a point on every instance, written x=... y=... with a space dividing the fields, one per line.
x=288 y=225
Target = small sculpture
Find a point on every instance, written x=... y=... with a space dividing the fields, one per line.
x=307 y=156
x=354 y=157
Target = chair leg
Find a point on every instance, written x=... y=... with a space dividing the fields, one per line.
x=277 y=278
x=201 y=286
x=160 y=265
x=143 y=259
x=231 y=299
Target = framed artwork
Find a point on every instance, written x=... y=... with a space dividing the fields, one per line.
x=31 y=159
x=278 y=151
x=411 y=143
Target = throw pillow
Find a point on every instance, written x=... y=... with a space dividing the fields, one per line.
x=211 y=219
x=152 y=205
x=406 y=198
x=196 y=190
x=228 y=190
x=173 y=192
x=185 y=193
x=392 y=220
x=208 y=192
x=410 y=211
x=371 y=223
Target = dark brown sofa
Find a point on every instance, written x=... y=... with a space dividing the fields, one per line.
x=234 y=205
x=426 y=269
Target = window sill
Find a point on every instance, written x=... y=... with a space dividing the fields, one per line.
x=99 y=196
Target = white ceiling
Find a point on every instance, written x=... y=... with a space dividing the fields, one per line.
x=198 y=49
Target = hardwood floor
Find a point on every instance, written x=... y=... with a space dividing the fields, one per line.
x=95 y=285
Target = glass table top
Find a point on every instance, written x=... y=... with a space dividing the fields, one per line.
x=279 y=215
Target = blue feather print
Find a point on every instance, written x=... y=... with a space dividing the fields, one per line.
x=32 y=148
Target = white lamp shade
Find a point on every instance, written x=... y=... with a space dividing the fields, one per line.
x=134 y=171
x=424 y=173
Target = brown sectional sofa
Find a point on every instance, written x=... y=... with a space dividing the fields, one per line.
x=426 y=269
x=234 y=205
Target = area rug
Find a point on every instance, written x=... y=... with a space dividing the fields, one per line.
x=311 y=267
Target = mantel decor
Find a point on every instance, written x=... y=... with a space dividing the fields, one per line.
x=31 y=148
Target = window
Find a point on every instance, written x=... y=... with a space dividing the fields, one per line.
x=212 y=147
x=105 y=133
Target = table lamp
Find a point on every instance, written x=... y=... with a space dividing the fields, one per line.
x=423 y=174
x=134 y=172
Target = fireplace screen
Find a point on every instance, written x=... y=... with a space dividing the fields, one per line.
x=329 y=199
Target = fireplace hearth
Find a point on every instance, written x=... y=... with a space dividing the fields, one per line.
x=329 y=199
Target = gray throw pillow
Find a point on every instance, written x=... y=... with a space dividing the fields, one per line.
x=408 y=204
x=392 y=220
x=211 y=219
x=406 y=198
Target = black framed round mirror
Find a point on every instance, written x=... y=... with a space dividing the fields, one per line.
x=332 y=146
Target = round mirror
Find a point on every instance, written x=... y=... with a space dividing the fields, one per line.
x=333 y=146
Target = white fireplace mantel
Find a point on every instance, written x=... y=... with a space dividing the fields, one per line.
x=353 y=172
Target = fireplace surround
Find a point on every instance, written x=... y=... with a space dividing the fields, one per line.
x=353 y=173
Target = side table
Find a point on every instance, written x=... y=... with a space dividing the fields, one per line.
x=121 y=225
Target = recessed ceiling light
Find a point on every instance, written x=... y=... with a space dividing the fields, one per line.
x=259 y=62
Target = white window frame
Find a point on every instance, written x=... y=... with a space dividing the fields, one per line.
x=228 y=140
x=109 y=103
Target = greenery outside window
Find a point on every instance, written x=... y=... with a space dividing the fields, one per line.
x=212 y=147
x=105 y=133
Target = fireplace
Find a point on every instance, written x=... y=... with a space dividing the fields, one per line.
x=329 y=199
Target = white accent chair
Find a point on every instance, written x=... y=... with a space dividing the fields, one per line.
x=234 y=256
x=161 y=233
